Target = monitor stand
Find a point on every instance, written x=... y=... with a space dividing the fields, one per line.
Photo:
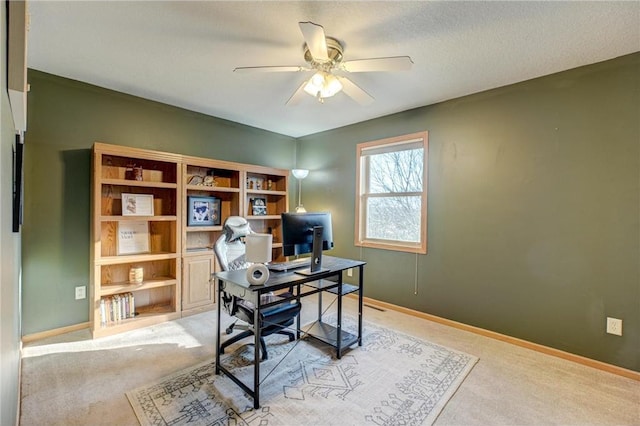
x=316 y=255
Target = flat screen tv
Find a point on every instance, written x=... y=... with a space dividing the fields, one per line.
x=17 y=184
x=304 y=233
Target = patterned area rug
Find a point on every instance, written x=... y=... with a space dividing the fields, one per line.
x=392 y=379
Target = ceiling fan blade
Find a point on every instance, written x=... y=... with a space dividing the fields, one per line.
x=316 y=41
x=355 y=92
x=297 y=95
x=393 y=63
x=271 y=69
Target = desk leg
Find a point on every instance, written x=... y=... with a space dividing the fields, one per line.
x=339 y=321
x=360 y=302
x=256 y=361
x=220 y=285
x=298 y=326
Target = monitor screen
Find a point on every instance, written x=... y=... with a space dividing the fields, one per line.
x=298 y=235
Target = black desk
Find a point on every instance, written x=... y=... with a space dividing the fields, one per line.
x=235 y=283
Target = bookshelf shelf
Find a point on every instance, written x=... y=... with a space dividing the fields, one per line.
x=136 y=258
x=124 y=287
x=146 y=316
x=211 y=188
x=263 y=217
x=216 y=228
x=265 y=192
x=141 y=184
x=135 y=218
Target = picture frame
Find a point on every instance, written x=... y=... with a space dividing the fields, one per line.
x=137 y=204
x=258 y=206
x=203 y=211
x=133 y=237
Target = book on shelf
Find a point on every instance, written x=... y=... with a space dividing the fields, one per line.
x=117 y=308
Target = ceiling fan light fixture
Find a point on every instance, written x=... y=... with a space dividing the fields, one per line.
x=325 y=55
x=323 y=85
x=331 y=85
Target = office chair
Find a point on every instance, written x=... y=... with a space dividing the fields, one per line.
x=230 y=251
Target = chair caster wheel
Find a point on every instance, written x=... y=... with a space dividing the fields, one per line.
x=229 y=329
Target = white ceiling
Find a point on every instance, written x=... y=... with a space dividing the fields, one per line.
x=183 y=53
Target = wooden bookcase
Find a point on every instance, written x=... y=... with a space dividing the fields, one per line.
x=175 y=253
x=204 y=178
x=149 y=240
x=230 y=185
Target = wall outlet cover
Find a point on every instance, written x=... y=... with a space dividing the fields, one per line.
x=81 y=292
x=614 y=326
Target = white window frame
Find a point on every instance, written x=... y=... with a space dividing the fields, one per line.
x=363 y=152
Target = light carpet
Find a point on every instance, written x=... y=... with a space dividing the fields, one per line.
x=392 y=379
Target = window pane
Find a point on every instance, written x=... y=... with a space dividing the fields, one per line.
x=394 y=218
x=399 y=171
x=391 y=185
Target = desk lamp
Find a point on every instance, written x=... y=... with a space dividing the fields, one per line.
x=258 y=252
x=300 y=174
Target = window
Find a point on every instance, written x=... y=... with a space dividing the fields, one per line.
x=391 y=199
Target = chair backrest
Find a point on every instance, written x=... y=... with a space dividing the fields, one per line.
x=230 y=253
x=229 y=248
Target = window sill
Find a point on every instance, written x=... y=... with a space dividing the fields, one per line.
x=393 y=247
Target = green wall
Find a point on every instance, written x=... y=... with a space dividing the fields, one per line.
x=533 y=200
x=65 y=119
x=533 y=209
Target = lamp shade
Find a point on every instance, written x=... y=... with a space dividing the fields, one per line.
x=300 y=173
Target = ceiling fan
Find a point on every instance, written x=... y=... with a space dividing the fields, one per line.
x=324 y=56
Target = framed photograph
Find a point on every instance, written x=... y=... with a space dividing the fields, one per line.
x=258 y=206
x=203 y=211
x=133 y=237
x=137 y=205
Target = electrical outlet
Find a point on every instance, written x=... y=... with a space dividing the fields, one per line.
x=350 y=272
x=81 y=292
x=614 y=326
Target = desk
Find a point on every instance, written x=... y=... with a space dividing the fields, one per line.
x=235 y=283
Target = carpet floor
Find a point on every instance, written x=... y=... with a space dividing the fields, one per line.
x=71 y=379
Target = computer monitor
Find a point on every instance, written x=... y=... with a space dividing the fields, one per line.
x=307 y=233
